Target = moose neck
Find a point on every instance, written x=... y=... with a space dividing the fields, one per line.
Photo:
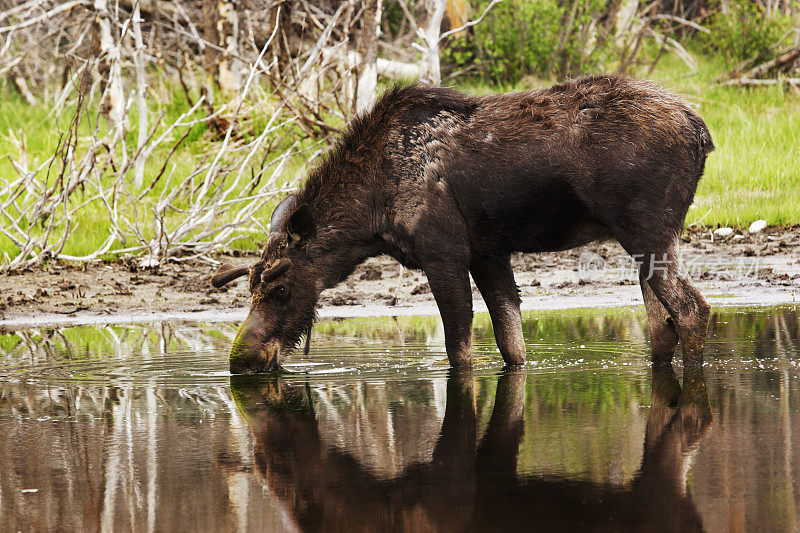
x=337 y=253
x=346 y=195
x=346 y=233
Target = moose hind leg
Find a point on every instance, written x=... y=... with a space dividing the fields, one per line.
x=495 y=280
x=689 y=310
x=663 y=335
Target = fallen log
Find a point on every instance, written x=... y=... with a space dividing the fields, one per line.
x=739 y=70
x=786 y=61
x=774 y=71
x=768 y=81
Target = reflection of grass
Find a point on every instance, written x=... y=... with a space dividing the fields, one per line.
x=543 y=326
x=553 y=337
x=408 y=328
x=105 y=342
x=588 y=416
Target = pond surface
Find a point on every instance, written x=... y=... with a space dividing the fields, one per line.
x=141 y=428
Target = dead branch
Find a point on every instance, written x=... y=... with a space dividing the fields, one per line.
x=44 y=16
x=470 y=23
x=772 y=81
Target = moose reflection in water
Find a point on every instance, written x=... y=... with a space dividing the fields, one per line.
x=135 y=427
x=472 y=483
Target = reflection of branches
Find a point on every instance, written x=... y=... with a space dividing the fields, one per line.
x=786 y=346
x=117 y=452
x=45 y=346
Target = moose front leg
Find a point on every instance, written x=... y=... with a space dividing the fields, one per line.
x=449 y=283
x=495 y=280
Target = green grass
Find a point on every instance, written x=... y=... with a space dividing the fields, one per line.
x=40 y=134
x=753 y=174
x=755 y=171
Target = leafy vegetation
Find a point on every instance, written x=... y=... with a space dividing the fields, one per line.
x=545 y=39
x=742 y=31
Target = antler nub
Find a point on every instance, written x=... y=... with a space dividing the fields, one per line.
x=227 y=273
x=275 y=270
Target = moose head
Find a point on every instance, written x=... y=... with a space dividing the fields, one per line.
x=283 y=290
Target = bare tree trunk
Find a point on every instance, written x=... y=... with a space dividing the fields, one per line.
x=457 y=14
x=114 y=97
x=625 y=15
x=794 y=8
x=141 y=96
x=368 y=68
x=21 y=85
x=222 y=30
x=430 y=71
x=230 y=68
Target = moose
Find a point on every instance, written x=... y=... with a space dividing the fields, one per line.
x=452 y=184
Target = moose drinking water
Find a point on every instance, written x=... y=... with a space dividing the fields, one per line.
x=453 y=184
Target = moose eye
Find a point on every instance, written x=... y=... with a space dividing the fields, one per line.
x=281 y=291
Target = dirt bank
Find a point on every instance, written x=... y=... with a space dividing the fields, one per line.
x=739 y=269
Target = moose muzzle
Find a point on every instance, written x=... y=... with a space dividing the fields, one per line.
x=252 y=353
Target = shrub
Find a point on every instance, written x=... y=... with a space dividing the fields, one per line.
x=518 y=38
x=743 y=31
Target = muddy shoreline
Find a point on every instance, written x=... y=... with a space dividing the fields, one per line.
x=740 y=269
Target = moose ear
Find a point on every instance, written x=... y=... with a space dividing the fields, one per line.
x=278 y=221
x=301 y=225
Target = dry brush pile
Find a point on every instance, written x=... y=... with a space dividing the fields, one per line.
x=264 y=79
x=178 y=122
x=99 y=165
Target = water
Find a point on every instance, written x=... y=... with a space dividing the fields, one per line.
x=141 y=428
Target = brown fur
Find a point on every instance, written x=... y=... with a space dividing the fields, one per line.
x=453 y=184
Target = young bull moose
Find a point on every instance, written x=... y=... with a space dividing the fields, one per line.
x=453 y=184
